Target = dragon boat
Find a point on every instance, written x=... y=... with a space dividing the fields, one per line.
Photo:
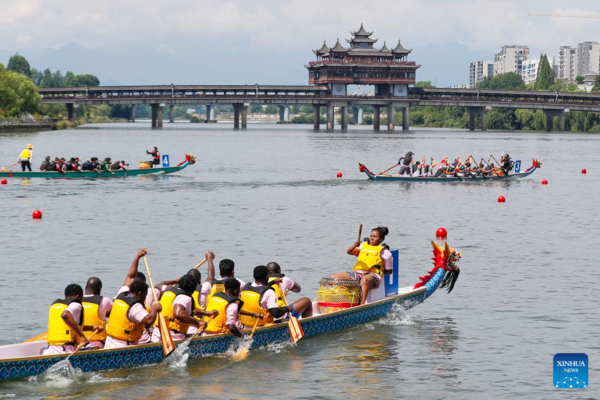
x=454 y=178
x=190 y=159
x=24 y=359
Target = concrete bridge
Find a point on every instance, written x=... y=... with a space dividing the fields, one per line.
x=478 y=102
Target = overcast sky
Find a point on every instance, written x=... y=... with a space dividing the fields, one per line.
x=295 y=24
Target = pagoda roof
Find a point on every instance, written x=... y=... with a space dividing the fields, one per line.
x=361 y=32
x=338 y=48
x=384 y=49
x=361 y=40
x=399 y=49
x=323 y=50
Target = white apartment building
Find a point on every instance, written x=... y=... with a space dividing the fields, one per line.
x=479 y=70
x=588 y=61
x=567 y=63
x=510 y=59
x=531 y=67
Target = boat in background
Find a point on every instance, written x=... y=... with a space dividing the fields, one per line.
x=476 y=178
x=190 y=159
x=23 y=359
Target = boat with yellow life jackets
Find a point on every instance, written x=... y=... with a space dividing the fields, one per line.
x=24 y=359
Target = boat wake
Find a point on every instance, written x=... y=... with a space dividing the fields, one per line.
x=399 y=316
x=278 y=347
x=180 y=355
x=60 y=374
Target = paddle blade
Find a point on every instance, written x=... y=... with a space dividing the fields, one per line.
x=296 y=331
x=241 y=354
x=165 y=336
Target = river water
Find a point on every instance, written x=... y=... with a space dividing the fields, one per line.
x=526 y=291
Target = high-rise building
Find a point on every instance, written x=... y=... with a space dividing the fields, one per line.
x=531 y=67
x=567 y=63
x=479 y=70
x=588 y=61
x=510 y=59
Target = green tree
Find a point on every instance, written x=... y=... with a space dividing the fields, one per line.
x=17 y=93
x=579 y=79
x=17 y=63
x=508 y=81
x=87 y=80
x=424 y=84
x=70 y=79
x=596 y=87
x=545 y=75
x=255 y=108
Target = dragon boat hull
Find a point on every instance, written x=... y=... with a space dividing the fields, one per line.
x=119 y=173
x=14 y=365
x=462 y=179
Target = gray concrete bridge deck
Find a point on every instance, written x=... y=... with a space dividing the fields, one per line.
x=478 y=102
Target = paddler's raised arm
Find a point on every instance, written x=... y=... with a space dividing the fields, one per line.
x=353 y=250
x=210 y=256
x=133 y=270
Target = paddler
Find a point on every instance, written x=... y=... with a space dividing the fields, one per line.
x=96 y=310
x=203 y=289
x=65 y=322
x=155 y=156
x=129 y=317
x=227 y=271
x=227 y=305
x=405 y=163
x=281 y=282
x=260 y=298
x=45 y=166
x=179 y=308
x=25 y=157
x=374 y=261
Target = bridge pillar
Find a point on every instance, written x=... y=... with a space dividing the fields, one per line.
x=471 y=120
x=159 y=115
x=236 y=115
x=316 y=117
x=484 y=119
x=153 y=112
x=406 y=118
x=344 y=114
x=376 y=118
x=561 y=125
x=132 y=113
x=357 y=115
x=391 y=112
x=330 y=120
x=210 y=113
x=284 y=114
x=550 y=114
x=244 y=109
x=72 y=110
x=171 y=113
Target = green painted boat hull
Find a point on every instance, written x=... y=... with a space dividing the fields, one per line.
x=92 y=174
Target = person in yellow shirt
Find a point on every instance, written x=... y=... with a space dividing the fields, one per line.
x=25 y=157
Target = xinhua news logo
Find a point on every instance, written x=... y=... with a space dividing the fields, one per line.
x=571 y=371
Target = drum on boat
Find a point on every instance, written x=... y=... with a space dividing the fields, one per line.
x=338 y=294
x=144 y=164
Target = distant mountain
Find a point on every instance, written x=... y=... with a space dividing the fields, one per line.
x=226 y=63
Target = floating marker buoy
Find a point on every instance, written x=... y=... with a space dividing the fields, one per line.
x=501 y=199
x=37 y=214
x=584 y=171
x=339 y=175
x=441 y=233
x=3 y=181
x=544 y=182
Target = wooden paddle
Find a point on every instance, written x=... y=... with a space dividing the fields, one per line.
x=392 y=167
x=165 y=333
x=201 y=331
x=242 y=353
x=491 y=170
x=296 y=331
x=83 y=344
x=10 y=166
x=201 y=263
x=359 y=233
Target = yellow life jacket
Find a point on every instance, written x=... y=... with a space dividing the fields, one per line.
x=369 y=259
x=250 y=297
x=119 y=326
x=277 y=289
x=166 y=301
x=26 y=153
x=219 y=302
x=218 y=286
x=91 y=306
x=59 y=333
x=196 y=297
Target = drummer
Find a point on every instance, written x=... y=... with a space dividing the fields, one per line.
x=374 y=261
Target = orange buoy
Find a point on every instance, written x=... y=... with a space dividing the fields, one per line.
x=501 y=199
x=3 y=181
x=584 y=171
x=37 y=214
x=544 y=182
x=339 y=175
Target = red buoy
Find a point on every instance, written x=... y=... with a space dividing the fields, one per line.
x=544 y=182
x=3 y=181
x=584 y=171
x=339 y=175
x=37 y=214
x=441 y=233
x=501 y=199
